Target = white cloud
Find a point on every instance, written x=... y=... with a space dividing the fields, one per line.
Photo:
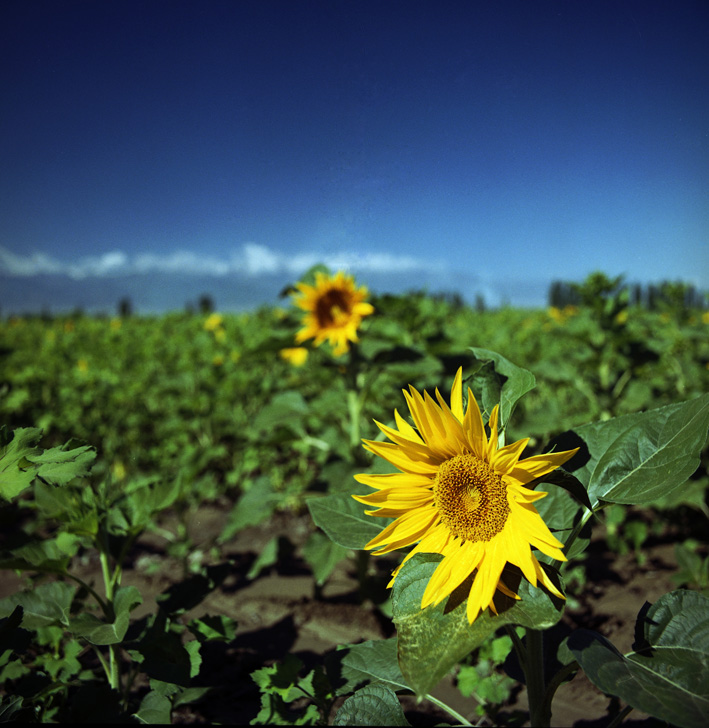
x=251 y=260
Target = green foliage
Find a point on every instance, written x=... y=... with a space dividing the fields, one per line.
x=224 y=420
x=47 y=628
x=482 y=679
x=433 y=640
x=372 y=705
x=343 y=519
x=693 y=568
x=500 y=381
x=283 y=692
x=668 y=673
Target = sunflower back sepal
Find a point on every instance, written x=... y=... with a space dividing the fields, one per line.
x=433 y=640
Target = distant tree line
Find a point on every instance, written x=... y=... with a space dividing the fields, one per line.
x=653 y=297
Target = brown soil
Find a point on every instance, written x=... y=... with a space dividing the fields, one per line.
x=279 y=612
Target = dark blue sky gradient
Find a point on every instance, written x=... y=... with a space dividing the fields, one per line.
x=497 y=141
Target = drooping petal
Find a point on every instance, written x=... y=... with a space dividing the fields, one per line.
x=408 y=534
x=406 y=524
x=451 y=572
x=486 y=580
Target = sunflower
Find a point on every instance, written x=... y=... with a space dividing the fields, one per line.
x=297 y=356
x=461 y=495
x=334 y=310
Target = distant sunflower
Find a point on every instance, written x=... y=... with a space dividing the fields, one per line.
x=461 y=496
x=334 y=310
x=297 y=356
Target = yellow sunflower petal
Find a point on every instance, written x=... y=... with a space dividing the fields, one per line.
x=404 y=527
x=405 y=428
x=457 y=396
x=486 y=580
x=403 y=460
x=403 y=498
x=458 y=495
x=548 y=583
x=492 y=442
x=451 y=572
x=538 y=465
x=506 y=457
x=394 y=480
x=474 y=430
x=421 y=450
x=409 y=533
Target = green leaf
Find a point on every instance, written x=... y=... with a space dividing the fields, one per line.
x=154 y=709
x=593 y=439
x=44 y=605
x=668 y=675
x=211 y=628
x=99 y=632
x=560 y=511
x=506 y=383
x=16 y=470
x=374 y=660
x=322 y=555
x=371 y=705
x=253 y=507
x=653 y=457
x=268 y=557
x=570 y=483
x=59 y=465
x=286 y=409
x=279 y=679
x=9 y=705
x=163 y=656
x=433 y=640
x=344 y=521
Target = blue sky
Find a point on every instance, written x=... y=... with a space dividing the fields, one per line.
x=163 y=149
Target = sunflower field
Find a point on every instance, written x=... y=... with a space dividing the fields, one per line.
x=349 y=509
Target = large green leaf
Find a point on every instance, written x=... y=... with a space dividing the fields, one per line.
x=59 y=465
x=322 y=554
x=561 y=513
x=343 y=519
x=372 y=705
x=503 y=382
x=433 y=640
x=371 y=661
x=286 y=409
x=44 y=605
x=100 y=632
x=593 y=440
x=154 y=709
x=16 y=469
x=668 y=675
x=654 y=456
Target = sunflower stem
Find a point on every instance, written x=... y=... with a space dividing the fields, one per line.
x=354 y=405
x=539 y=712
x=453 y=713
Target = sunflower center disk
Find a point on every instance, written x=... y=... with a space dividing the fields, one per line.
x=330 y=307
x=471 y=498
